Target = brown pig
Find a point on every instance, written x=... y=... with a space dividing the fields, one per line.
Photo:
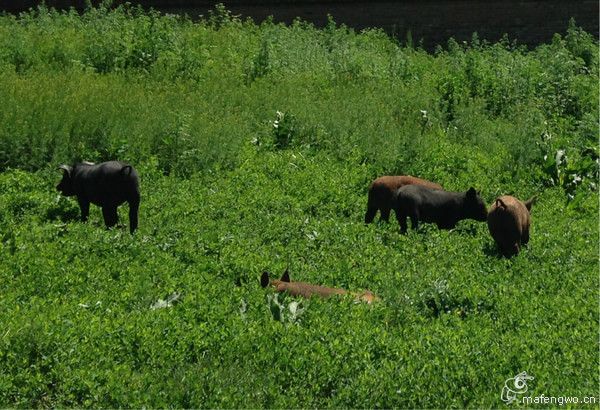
x=381 y=194
x=508 y=221
x=307 y=290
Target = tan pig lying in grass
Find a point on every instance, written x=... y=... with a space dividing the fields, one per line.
x=307 y=290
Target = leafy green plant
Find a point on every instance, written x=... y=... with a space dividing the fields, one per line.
x=284 y=129
x=282 y=311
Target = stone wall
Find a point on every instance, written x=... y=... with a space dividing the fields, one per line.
x=434 y=21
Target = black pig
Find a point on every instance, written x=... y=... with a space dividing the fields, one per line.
x=443 y=208
x=107 y=185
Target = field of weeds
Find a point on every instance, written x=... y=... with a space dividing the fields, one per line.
x=256 y=145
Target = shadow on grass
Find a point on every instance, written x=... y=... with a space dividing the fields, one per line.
x=491 y=250
x=63 y=214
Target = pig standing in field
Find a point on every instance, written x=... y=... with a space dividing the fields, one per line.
x=382 y=190
x=107 y=185
x=508 y=221
x=443 y=208
x=307 y=290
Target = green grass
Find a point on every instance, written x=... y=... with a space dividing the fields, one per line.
x=231 y=187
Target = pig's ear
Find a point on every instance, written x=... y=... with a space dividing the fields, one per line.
x=530 y=202
x=66 y=170
x=126 y=170
x=264 y=279
x=286 y=276
x=471 y=193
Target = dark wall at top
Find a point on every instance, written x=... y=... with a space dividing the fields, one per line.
x=529 y=21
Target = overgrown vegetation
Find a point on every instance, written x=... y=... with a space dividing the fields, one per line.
x=256 y=144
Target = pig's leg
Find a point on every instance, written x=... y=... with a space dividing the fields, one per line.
x=110 y=215
x=85 y=209
x=370 y=215
x=509 y=251
x=133 y=214
x=414 y=220
x=525 y=237
x=385 y=213
x=401 y=217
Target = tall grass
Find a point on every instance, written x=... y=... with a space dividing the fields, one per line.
x=136 y=85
